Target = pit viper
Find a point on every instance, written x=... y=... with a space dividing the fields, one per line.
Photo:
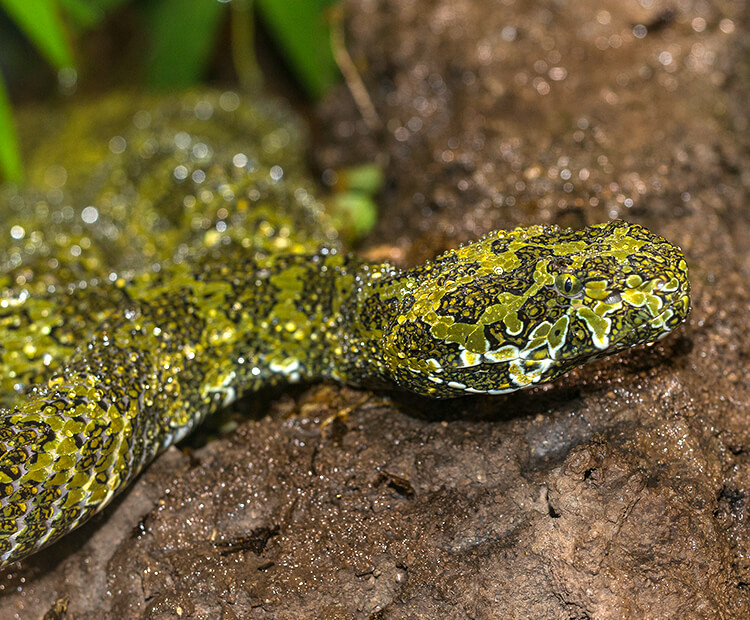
x=174 y=257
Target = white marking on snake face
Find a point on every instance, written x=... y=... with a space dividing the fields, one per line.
x=503 y=354
x=469 y=359
x=563 y=324
x=434 y=365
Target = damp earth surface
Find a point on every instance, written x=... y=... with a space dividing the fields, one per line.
x=619 y=491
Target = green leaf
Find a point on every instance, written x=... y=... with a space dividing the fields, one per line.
x=105 y=5
x=354 y=214
x=87 y=14
x=40 y=21
x=83 y=13
x=182 y=35
x=301 y=29
x=365 y=178
x=10 y=160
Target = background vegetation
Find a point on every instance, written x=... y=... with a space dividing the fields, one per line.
x=163 y=44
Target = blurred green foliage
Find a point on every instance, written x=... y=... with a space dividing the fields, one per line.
x=181 y=38
x=41 y=22
x=10 y=161
x=303 y=33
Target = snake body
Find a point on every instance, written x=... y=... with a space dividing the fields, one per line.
x=186 y=262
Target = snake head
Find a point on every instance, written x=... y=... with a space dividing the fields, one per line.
x=521 y=307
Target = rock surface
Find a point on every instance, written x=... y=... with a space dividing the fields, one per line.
x=620 y=491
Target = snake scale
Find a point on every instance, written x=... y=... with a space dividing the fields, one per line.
x=179 y=259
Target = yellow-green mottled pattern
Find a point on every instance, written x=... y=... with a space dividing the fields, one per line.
x=177 y=258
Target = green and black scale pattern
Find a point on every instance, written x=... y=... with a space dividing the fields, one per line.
x=177 y=258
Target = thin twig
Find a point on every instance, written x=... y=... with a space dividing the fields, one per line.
x=243 y=46
x=349 y=71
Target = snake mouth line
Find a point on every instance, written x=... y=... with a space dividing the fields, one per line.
x=674 y=302
x=544 y=363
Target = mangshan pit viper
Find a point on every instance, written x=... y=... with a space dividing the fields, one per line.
x=179 y=259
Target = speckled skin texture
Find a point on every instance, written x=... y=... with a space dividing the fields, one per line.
x=191 y=264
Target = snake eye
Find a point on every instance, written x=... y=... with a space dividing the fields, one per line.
x=568 y=285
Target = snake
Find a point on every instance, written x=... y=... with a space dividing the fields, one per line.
x=170 y=255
